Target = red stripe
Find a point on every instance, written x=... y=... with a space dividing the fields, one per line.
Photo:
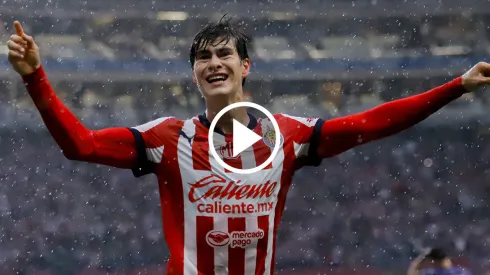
x=286 y=179
x=236 y=256
x=205 y=252
x=171 y=196
x=228 y=151
x=263 y=223
x=200 y=148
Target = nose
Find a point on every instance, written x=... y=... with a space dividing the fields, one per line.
x=214 y=63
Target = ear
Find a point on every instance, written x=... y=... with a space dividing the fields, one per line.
x=194 y=78
x=245 y=67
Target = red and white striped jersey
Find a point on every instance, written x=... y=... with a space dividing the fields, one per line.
x=216 y=221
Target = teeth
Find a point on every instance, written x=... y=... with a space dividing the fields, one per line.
x=217 y=77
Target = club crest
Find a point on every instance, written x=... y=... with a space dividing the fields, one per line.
x=269 y=137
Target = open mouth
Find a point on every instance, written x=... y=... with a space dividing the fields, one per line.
x=216 y=78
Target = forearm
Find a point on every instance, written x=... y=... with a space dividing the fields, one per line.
x=339 y=135
x=113 y=146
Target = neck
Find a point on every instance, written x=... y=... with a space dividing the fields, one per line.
x=225 y=123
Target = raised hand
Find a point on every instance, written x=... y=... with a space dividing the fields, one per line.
x=477 y=76
x=23 y=51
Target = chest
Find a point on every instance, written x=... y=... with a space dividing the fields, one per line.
x=209 y=188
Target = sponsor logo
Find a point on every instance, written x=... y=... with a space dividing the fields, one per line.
x=235 y=208
x=269 y=137
x=234 y=239
x=226 y=151
x=223 y=189
x=214 y=194
x=217 y=238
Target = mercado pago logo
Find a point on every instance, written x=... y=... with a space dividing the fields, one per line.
x=214 y=194
x=234 y=239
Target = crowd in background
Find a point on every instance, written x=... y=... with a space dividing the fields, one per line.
x=140 y=38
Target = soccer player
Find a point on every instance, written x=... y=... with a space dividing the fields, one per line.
x=438 y=264
x=215 y=221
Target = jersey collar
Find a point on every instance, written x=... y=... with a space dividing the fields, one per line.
x=204 y=120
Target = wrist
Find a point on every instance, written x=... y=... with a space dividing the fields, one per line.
x=37 y=75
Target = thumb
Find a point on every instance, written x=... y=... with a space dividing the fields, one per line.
x=484 y=68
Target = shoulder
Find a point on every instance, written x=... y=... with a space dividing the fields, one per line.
x=163 y=122
x=296 y=120
x=160 y=131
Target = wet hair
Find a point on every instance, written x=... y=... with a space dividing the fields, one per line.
x=437 y=255
x=218 y=32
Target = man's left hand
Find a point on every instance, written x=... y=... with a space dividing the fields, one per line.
x=477 y=76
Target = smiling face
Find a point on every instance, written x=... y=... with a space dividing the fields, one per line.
x=218 y=69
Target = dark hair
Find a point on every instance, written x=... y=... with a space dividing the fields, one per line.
x=437 y=255
x=216 y=33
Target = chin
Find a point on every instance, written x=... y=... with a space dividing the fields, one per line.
x=218 y=91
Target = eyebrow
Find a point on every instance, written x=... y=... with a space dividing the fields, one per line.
x=225 y=48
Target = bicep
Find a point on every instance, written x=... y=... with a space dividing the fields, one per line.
x=112 y=146
x=341 y=134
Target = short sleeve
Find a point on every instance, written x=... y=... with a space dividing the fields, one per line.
x=305 y=134
x=149 y=145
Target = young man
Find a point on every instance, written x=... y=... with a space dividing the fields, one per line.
x=215 y=221
x=438 y=263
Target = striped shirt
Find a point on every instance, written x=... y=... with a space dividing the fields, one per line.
x=216 y=221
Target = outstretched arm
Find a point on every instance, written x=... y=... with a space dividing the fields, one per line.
x=112 y=146
x=341 y=134
x=115 y=146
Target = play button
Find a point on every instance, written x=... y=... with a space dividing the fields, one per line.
x=242 y=138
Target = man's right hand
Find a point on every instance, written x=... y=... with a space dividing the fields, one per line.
x=23 y=52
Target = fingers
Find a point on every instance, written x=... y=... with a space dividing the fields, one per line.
x=484 y=68
x=15 y=55
x=18 y=28
x=19 y=40
x=12 y=46
x=485 y=80
x=28 y=40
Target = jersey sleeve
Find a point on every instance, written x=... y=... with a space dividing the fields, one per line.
x=150 y=143
x=305 y=134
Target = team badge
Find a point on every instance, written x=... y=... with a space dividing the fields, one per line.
x=269 y=137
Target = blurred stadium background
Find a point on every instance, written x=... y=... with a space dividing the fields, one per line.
x=367 y=211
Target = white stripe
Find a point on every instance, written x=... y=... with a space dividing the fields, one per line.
x=184 y=156
x=218 y=140
x=252 y=225
x=301 y=149
x=221 y=253
x=147 y=126
x=248 y=159
x=310 y=122
x=155 y=154
x=276 y=173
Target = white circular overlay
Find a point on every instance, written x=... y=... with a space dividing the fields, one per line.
x=277 y=145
